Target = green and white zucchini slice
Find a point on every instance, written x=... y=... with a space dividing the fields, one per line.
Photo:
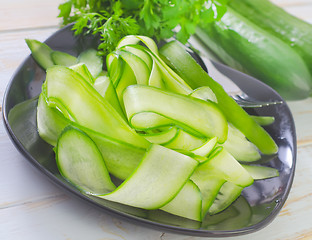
x=41 y=52
x=93 y=61
x=81 y=163
x=82 y=69
x=50 y=121
x=145 y=57
x=184 y=141
x=238 y=146
x=72 y=94
x=105 y=88
x=228 y=193
x=204 y=93
x=63 y=59
x=187 y=204
x=192 y=73
x=209 y=185
x=138 y=66
x=155 y=78
x=224 y=165
x=261 y=172
x=203 y=117
x=120 y=157
x=205 y=149
x=160 y=176
x=172 y=80
x=162 y=137
x=135 y=39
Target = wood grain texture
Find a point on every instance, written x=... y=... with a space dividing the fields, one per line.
x=30 y=14
x=31 y=207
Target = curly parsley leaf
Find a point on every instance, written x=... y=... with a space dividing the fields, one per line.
x=161 y=19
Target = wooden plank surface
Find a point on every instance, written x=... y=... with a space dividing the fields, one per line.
x=31 y=207
x=30 y=14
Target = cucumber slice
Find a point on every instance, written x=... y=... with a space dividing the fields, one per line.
x=172 y=80
x=70 y=92
x=204 y=93
x=139 y=53
x=195 y=76
x=115 y=67
x=82 y=69
x=81 y=163
x=159 y=177
x=155 y=78
x=261 y=172
x=41 y=52
x=184 y=141
x=238 y=146
x=120 y=158
x=63 y=59
x=138 y=66
x=93 y=61
x=236 y=143
x=148 y=121
x=187 y=204
x=209 y=184
x=135 y=39
x=224 y=165
x=105 y=88
x=229 y=192
x=162 y=137
x=206 y=148
x=126 y=78
x=50 y=121
x=203 y=117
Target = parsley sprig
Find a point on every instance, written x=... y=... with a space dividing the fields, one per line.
x=161 y=19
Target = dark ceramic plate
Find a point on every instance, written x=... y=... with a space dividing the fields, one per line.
x=259 y=203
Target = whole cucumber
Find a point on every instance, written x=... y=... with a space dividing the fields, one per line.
x=244 y=46
x=292 y=30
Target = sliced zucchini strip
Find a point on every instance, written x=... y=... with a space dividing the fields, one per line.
x=93 y=61
x=120 y=157
x=261 y=172
x=188 y=202
x=159 y=177
x=41 y=52
x=205 y=149
x=195 y=76
x=224 y=165
x=203 y=117
x=228 y=193
x=80 y=161
x=63 y=59
x=68 y=90
x=83 y=70
x=238 y=146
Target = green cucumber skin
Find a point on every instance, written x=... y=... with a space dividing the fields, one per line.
x=295 y=32
x=41 y=53
x=244 y=46
x=63 y=59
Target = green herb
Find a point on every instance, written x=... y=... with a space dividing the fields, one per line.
x=161 y=19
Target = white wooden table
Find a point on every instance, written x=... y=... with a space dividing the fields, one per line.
x=33 y=208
